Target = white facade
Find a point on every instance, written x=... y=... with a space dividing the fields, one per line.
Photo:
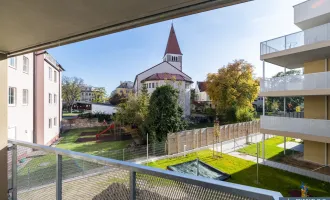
x=52 y=101
x=183 y=88
x=107 y=109
x=20 y=112
x=201 y=96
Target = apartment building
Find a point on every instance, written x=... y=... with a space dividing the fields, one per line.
x=308 y=49
x=87 y=93
x=34 y=98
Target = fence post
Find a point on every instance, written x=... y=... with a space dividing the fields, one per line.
x=132 y=185
x=200 y=137
x=123 y=154
x=58 y=177
x=148 y=146
x=14 y=171
x=207 y=143
x=194 y=141
x=178 y=142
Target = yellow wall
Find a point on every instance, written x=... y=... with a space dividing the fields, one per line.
x=125 y=91
x=315 y=109
x=314 y=151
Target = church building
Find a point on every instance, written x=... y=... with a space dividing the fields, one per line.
x=169 y=71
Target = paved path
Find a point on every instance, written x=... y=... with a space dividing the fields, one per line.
x=296 y=170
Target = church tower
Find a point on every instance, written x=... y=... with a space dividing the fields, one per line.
x=173 y=53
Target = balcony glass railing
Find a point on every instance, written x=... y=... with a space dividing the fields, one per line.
x=317 y=127
x=309 y=36
x=312 y=81
x=42 y=172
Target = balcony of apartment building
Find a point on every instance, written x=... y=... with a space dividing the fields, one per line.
x=312 y=43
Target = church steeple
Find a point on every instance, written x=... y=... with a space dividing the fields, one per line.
x=173 y=53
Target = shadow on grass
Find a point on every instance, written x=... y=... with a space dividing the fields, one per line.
x=279 y=180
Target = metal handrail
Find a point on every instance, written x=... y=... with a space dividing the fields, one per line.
x=232 y=188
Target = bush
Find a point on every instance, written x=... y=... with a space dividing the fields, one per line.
x=244 y=114
x=101 y=116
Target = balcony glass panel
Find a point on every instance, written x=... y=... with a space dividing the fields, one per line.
x=317 y=127
x=309 y=36
x=297 y=82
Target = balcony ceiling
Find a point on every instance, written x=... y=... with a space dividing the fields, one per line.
x=33 y=25
x=296 y=57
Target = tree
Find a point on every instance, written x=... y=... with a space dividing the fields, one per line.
x=100 y=95
x=165 y=114
x=135 y=110
x=117 y=99
x=292 y=101
x=71 y=90
x=231 y=88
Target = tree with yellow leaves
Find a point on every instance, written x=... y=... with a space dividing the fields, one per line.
x=233 y=88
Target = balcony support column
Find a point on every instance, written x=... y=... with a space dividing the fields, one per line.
x=263 y=111
x=284 y=107
x=3 y=126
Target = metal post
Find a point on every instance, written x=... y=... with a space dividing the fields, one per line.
x=147 y=147
x=14 y=171
x=58 y=177
x=257 y=162
x=123 y=154
x=133 y=185
x=263 y=79
x=263 y=147
x=284 y=145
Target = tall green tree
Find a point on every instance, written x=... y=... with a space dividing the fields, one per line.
x=291 y=76
x=71 y=89
x=233 y=87
x=165 y=114
x=99 y=95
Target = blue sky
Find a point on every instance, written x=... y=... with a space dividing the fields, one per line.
x=207 y=40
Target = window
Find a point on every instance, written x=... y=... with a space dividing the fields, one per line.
x=50 y=98
x=50 y=123
x=55 y=76
x=55 y=121
x=55 y=98
x=149 y=85
x=156 y=84
x=25 y=65
x=12 y=96
x=13 y=62
x=153 y=85
x=50 y=73
x=25 y=97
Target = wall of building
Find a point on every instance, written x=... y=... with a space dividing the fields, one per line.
x=51 y=110
x=124 y=91
x=20 y=116
x=163 y=67
x=103 y=108
x=315 y=109
x=184 y=92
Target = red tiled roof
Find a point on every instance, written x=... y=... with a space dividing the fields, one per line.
x=166 y=76
x=172 y=43
x=201 y=86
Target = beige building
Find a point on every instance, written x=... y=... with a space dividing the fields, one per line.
x=310 y=50
x=125 y=88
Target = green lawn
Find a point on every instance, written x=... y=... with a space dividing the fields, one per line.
x=41 y=169
x=67 y=114
x=244 y=172
x=272 y=151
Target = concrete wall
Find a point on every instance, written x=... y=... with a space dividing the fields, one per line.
x=20 y=116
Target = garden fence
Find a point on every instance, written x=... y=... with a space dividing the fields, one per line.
x=192 y=139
